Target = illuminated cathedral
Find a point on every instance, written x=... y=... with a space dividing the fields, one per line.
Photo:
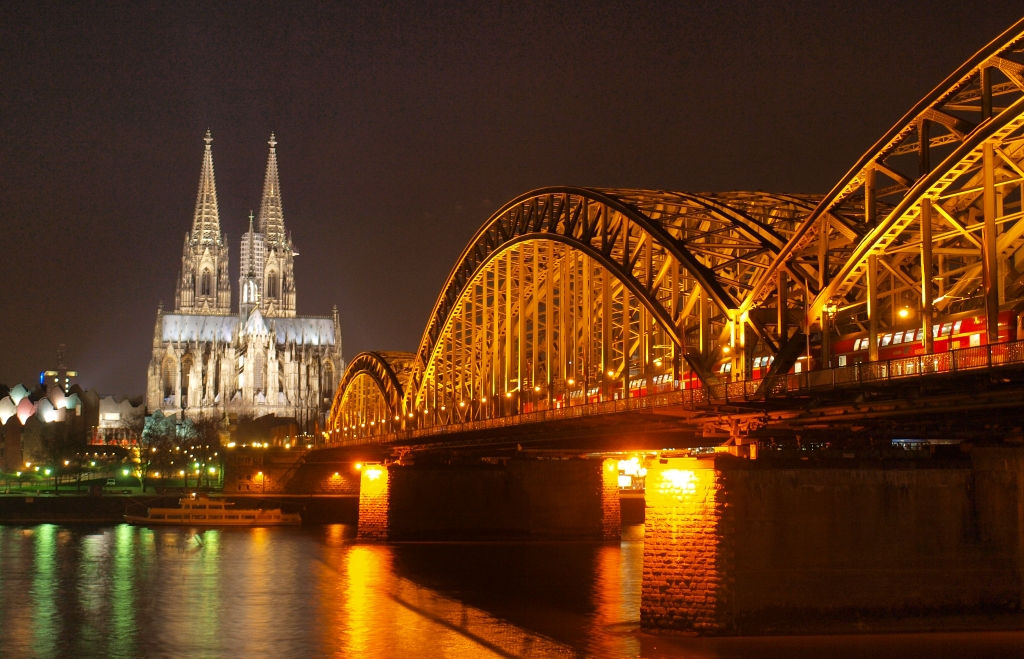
x=258 y=359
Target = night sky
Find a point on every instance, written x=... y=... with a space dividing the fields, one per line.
x=401 y=127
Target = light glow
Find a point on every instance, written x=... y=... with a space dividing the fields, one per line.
x=682 y=481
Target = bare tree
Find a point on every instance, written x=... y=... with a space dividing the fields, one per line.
x=156 y=445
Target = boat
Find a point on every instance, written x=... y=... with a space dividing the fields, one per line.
x=201 y=510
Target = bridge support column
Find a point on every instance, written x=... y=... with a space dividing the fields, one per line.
x=687 y=571
x=374 y=503
x=490 y=498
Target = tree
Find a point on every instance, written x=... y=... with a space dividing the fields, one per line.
x=202 y=439
x=156 y=445
x=61 y=442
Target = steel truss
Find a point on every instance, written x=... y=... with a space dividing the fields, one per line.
x=570 y=295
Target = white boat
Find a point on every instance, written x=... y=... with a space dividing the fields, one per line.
x=201 y=510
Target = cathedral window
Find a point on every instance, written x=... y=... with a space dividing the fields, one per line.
x=272 y=285
x=205 y=286
x=257 y=376
x=168 y=377
x=186 y=377
x=327 y=385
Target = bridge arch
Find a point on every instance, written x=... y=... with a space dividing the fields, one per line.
x=952 y=159
x=369 y=399
x=668 y=266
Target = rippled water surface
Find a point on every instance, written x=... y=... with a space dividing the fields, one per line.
x=123 y=591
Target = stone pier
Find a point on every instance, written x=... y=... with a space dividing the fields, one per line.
x=758 y=546
x=518 y=498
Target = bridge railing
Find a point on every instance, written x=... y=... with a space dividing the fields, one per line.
x=788 y=384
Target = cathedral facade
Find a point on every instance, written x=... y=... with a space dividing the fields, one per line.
x=259 y=359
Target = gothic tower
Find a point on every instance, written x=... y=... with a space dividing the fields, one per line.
x=203 y=283
x=277 y=290
x=250 y=271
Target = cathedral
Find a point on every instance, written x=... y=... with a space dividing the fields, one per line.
x=258 y=359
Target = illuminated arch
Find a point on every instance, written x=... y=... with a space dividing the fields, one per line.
x=370 y=395
x=933 y=157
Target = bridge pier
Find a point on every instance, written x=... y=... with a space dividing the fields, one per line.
x=825 y=544
x=490 y=498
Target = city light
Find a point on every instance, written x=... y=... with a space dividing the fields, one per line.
x=904 y=312
x=359 y=465
x=373 y=473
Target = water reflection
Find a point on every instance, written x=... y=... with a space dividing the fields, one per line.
x=133 y=592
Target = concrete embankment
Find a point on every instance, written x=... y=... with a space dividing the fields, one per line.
x=71 y=509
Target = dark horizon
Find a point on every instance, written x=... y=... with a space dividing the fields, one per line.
x=400 y=129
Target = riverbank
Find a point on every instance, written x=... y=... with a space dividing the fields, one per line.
x=111 y=509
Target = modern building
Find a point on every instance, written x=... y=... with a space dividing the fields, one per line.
x=259 y=359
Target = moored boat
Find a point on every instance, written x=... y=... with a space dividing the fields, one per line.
x=201 y=510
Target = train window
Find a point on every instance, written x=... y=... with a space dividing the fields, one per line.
x=956 y=326
x=945 y=329
x=920 y=334
x=842 y=360
x=857 y=344
x=886 y=340
x=897 y=338
x=935 y=331
x=975 y=340
x=726 y=367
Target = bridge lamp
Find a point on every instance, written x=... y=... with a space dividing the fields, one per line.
x=483 y=400
x=411 y=415
x=443 y=408
x=536 y=388
x=66 y=463
x=508 y=394
x=611 y=374
x=657 y=362
x=396 y=417
x=359 y=465
x=726 y=350
x=571 y=382
x=48 y=471
x=904 y=312
x=462 y=403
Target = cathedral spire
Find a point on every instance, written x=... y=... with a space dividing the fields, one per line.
x=271 y=219
x=250 y=265
x=206 y=222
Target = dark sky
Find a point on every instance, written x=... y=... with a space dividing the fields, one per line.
x=401 y=127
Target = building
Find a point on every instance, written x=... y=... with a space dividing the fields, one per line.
x=259 y=359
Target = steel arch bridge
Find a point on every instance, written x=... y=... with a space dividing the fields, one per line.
x=567 y=296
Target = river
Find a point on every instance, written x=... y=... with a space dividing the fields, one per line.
x=123 y=591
